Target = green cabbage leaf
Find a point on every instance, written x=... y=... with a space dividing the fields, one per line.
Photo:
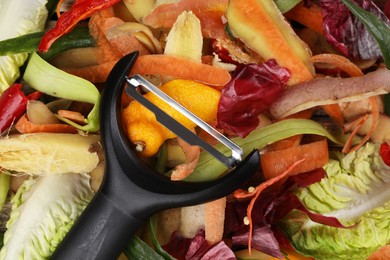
x=18 y=17
x=357 y=192
x=43 y=211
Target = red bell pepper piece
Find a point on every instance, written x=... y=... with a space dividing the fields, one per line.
x=68 y=20
x=385 y=153
x=13 y=103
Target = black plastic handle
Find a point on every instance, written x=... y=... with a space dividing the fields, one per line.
x=131 y=191
x=100 y=234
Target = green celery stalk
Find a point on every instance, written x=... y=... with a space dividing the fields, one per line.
x=50 y=80
x=209 y=168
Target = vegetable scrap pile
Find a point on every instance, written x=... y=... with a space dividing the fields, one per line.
x=305 y=82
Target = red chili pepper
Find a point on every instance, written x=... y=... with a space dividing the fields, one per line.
x=385 y=153
x=68 y=20
x=13 y=103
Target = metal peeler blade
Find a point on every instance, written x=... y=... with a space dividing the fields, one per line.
x=236 y=152
x=131 y=191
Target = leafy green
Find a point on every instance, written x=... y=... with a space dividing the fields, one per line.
x=50 y=80
x=357 y=192
x=18 y=17
x=43 y=211
x=155 y=242
x=138 y=249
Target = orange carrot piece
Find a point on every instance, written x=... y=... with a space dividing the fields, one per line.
x=285 y=143
x=163 y=65
x=214 y=220
x=181 y=68
x=72 y=115
x=375 y=117
x=310 y=16
x=348 y=143
x=95 y=73
x=192 y=153
x=58 y=7
x=127 y=43
x=382 y=253
x=24 y=126
x=274 y=163
x=98 y=24
x=293 y=140
x=340 y=62
x=334 y=111
x=256 y=193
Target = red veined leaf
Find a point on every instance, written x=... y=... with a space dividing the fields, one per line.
x=251 y=91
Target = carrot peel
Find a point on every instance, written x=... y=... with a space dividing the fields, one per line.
x=256 y=193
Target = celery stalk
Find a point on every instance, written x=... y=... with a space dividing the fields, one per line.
x=52 y=81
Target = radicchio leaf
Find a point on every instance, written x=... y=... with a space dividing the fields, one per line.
x=263 y=240
x=251 y=91
x=347 y=33
x=386 y=9
x=271 y=207
x=197 y=248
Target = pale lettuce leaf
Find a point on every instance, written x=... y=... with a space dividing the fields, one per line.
x=18 y=17
x=357 y=192
x=43 y=211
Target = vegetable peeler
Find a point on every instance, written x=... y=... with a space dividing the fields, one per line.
x=132 y=191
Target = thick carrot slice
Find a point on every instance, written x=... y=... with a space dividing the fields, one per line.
x=274 y=163
x=24 y=126
x=214 y=220
x=181 y=68
x=310 y=16
x=163 y=65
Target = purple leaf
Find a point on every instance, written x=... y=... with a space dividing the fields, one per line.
x=251 y=91
x=344 y=31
